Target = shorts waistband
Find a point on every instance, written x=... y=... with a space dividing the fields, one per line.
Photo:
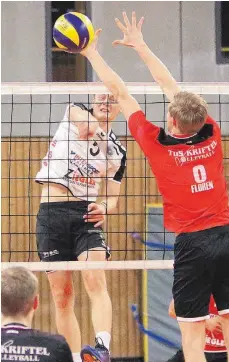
x=65 y=204
x=214 y=230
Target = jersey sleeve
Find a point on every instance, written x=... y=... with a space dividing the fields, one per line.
x=80 y=105
x=144 y=132
x=83 y=107
x=116 y=171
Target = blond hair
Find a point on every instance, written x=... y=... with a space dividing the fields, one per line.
x=189 y=110
x=19 y=287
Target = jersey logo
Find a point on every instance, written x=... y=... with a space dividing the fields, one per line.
x=193 y=153
x=22 y=353
x=95 y=150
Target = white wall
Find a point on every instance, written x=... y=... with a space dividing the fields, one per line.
x=194 y=43
x=23 y=41
x=199 y=54
x=161 y=32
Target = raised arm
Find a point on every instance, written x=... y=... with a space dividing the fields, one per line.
x=133 y=38
x=111 y=80
x=83 y=120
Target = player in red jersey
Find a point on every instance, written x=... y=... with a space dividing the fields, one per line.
x=215 y=349
x=188 y=166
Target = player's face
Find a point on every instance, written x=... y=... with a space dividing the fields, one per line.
x=105 y=107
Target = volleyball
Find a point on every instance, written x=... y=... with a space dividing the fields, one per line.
x=73 y=32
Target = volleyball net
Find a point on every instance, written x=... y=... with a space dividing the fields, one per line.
x=31 y=113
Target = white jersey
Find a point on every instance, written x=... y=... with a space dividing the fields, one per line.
x=78 y=164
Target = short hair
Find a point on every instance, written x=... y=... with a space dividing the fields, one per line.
x=189 y=110
x=19 y=287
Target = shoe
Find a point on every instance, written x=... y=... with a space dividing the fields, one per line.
x=99 y=353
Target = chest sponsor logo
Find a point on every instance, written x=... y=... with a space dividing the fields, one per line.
x=81 y=172
x=193 y=153
x=82 y=165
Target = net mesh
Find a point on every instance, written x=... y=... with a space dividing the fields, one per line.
x=30 y=116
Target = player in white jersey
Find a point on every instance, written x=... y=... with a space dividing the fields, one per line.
x=83 y=151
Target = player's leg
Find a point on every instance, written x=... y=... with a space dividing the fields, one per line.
x=62 y=288
x=191 y=292
x=96 y=287
x=221 y=281
x=92 y=248
x=194 y=332
x=54 y=244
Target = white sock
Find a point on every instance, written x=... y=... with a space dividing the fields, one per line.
x=105 y=337
x=76 y=357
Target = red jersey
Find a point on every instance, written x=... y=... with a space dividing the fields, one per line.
x=189 y=173
x=214 y=340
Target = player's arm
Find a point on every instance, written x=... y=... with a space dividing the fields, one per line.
x=83 y=120
x=111 y=200
x=111 y=80
x=133 y=38
x=143 y=131
x=97 y=211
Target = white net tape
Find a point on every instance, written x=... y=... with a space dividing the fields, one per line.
x=97 y=88
x=93 y=265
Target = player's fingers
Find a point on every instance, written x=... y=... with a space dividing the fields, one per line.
x=120 y=25
x=126 y=20
x=140 y=23
x=94 y=219
x=118 y=42
x=96 y=215
x=97 y=32
x=134 y=19
x=99 y=224
x=94 y=212
x=92 y=206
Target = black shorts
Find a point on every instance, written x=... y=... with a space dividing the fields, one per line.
x=62 y=234
x=201 y=268
x=216 y=357
x=210 y=357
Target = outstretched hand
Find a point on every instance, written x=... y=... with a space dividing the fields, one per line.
x=93 y=46
x=132 y=31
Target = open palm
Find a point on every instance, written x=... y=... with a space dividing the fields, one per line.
x=132 y=31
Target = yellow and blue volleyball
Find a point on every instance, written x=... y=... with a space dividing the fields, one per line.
x=73 y=32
